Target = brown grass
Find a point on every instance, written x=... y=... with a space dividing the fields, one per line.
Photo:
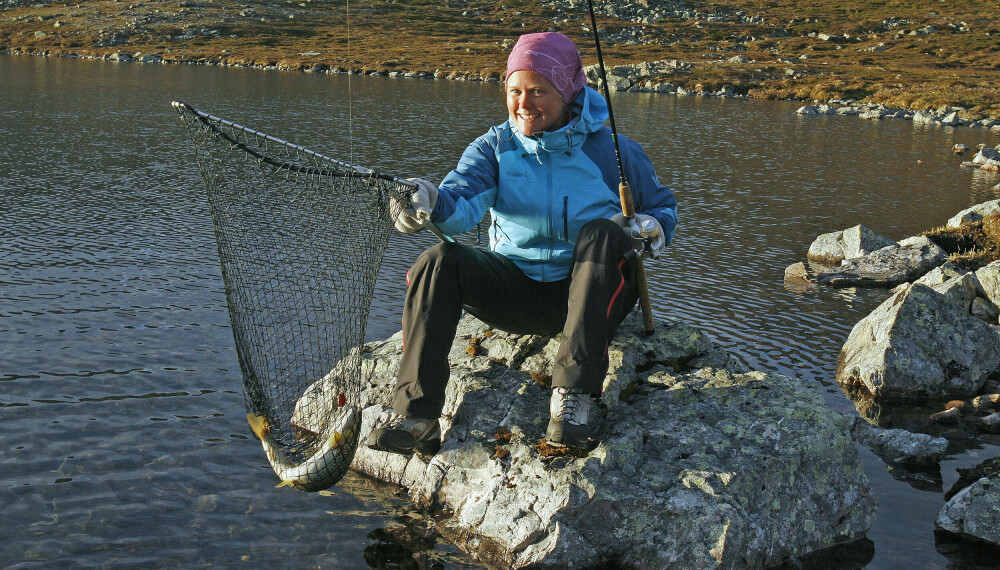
x=957 y=65
x=971 y=245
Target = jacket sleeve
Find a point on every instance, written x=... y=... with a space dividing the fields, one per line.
x=469 y=190
x=650 y=197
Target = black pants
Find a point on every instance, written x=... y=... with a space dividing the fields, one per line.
x=587 y=307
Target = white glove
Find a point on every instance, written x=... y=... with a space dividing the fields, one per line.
x=411 y=217
x=643 y=227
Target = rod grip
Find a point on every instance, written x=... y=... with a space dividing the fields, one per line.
x=628 y=209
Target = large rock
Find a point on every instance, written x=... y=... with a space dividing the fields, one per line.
x=700 y=464
x=973 y=512
x=918 y=344
x=834 y=247
x=975 y=213
x=887 y=267
x=989 y=281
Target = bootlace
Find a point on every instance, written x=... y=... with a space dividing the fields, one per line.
x=571 y=405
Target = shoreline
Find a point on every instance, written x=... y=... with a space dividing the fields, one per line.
x=945 y=116
x=924 y=55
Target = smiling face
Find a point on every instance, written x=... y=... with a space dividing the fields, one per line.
x=534 y=103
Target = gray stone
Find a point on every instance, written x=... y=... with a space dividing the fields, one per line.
x=700 y=464
x=988 y=159
x=975 y=213
x=888 y=266
x=898 y=445
x=807 y=110
x=989 y=281
x=973 y=512
x=917 y=344
x=960 y=290
x=834 y=247
x=985 y=310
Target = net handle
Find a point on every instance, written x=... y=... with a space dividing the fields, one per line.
x=359 y=171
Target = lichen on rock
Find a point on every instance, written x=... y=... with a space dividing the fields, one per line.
x=698 y=462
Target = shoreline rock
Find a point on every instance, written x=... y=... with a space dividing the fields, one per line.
x=623 y=78
x=700 y=462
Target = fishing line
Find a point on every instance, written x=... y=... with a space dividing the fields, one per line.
x=350 y=93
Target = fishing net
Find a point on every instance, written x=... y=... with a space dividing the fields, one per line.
x=300 y=238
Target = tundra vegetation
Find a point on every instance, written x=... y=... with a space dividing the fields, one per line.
x=916 y=54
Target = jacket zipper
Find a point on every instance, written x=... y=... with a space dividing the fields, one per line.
x=566 y=217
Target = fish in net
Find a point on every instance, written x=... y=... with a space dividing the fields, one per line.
x=300 y=238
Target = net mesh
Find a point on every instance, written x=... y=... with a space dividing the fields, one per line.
x=300 y=240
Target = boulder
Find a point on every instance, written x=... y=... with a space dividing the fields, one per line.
x=834 y=247
x=918 y=344
x=699 y=463
x=988 y=159
x=989 y=281
x=975 y=213
x=973 y=512
x=888 y=266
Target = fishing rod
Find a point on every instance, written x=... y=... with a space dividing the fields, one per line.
x=624 y=190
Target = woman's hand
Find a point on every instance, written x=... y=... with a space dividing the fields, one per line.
x=411 y=218
x=643 y=230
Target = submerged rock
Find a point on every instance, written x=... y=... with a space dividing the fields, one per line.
x=918 y=344
x=898 y=445
x=699 y=463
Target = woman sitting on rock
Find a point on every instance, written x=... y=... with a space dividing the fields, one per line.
x=561 y=253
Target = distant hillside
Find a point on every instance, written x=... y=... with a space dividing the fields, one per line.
x=917 y=54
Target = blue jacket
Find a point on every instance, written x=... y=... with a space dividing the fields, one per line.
x=541 y=190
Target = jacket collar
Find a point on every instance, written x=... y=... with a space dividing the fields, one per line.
x=591 y=112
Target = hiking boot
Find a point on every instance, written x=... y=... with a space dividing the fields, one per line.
x=569 y=410
x=404 y=435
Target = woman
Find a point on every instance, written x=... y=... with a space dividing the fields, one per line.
x=558 y=259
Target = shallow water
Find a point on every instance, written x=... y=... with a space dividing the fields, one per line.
x=123 y=421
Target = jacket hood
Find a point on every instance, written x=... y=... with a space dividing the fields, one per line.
x=591 y=113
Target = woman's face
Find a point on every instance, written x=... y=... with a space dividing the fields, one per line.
x=533 y=103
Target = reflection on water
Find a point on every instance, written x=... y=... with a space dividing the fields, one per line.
x=123 y=421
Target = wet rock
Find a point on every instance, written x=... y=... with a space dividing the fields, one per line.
x=973 y=512
x=986 y=402
x=917 y=344
x=695 y=465
x=834 y=247
x=888 y=266
x=797 y=272
x=899 y=445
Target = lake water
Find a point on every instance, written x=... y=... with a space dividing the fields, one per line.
x=125 y=436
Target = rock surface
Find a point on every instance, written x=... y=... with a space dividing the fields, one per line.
x=974 y=512
x=700 y=463
x=975 y=213
x=898 y=445
x=834 y=247
x=918 y=344
x=888 y=266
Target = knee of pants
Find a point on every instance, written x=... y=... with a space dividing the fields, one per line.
x=603 y=233
x=440 y=256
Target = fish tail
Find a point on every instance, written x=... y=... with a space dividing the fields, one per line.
x=259 y=425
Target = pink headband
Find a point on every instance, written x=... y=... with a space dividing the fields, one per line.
x=554 y=57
